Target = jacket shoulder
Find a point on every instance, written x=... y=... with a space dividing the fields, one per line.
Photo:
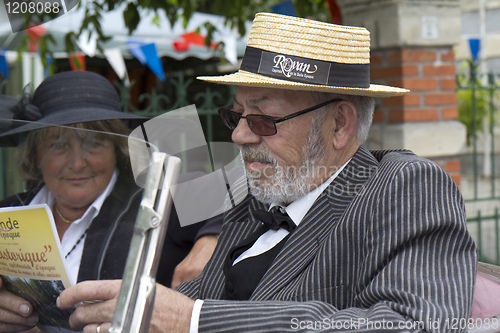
x=398 y=156
x=19 y=199
x=381 y=154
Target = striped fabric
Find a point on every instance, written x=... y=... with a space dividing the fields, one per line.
x=384 y=247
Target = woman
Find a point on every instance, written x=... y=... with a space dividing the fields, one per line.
x=82 y=172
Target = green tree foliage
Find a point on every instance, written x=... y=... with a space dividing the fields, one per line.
x=236 y=13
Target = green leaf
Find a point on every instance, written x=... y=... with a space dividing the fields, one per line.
x=131 y=17
x=156 y=20
x=70 y=42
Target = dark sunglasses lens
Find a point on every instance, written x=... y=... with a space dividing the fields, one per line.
x=261 y=125
x=230 y=117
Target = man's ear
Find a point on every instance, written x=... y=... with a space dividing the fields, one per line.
x=345 y=124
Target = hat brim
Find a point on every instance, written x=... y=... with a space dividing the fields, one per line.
x=248 y=79
x=73 y=116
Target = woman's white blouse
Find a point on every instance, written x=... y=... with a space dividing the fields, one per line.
x=77 y=228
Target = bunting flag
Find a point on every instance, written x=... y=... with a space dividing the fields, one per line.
x=34 y=33
x=190 y=38
x=115 y=59
x=180 y=45
x=196 y=39
x=475 y=46
x=135 y=48
x=284 y=8
x=32 y=69
x=46 y=71
x=77 y=61
x=4 y=66
x=153 y=61
x=334 y=11
x=88 y=42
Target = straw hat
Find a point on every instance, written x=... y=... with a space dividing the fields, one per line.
x=63 y=99
x=300 y=54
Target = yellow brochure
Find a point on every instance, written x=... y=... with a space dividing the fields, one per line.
x=31 y=265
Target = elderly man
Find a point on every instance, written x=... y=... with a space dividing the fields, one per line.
x=331 y=236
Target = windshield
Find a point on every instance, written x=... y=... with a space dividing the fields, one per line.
x=87 y=181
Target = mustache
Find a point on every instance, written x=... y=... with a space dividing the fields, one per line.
x=249 y=153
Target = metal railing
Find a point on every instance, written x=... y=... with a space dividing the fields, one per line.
x=207 y=101
x=484 y=255
x=481 y=111
x=478 y=98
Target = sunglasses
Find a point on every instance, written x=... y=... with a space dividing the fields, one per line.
x=261 y=124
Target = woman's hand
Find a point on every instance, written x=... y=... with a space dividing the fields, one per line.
x=16 y=313
x=195 y=261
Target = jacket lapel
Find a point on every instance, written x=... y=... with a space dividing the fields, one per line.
x=316 y=225
x=240 y=224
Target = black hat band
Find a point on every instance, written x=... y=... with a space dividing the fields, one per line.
x=305 y=70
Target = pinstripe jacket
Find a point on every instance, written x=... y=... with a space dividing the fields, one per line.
x=385 y=246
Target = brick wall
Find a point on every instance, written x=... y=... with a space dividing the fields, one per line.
x=452 y=166
x=430 y=75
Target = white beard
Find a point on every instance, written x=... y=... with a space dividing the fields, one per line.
x=283 y=185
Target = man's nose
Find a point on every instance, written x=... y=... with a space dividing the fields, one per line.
x=242 y=134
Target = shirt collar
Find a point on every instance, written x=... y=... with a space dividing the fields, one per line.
x=299 y=208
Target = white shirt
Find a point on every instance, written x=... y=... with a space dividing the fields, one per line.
x=296 y=210
x=77 y=228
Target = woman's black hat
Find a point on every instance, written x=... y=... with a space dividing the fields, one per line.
x=63 y=99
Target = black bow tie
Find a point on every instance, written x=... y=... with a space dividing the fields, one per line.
x=275 y=219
